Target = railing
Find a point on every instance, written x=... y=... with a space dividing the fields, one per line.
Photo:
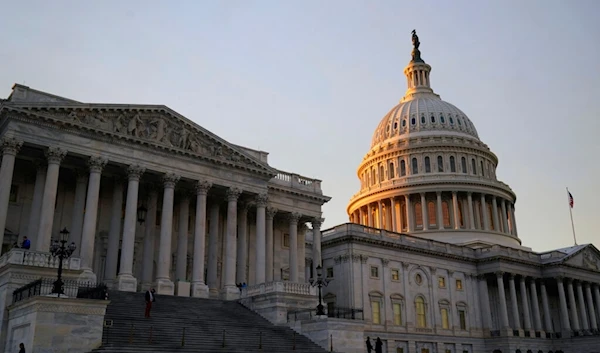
x=278 y=287
x=337 y=312
x=18 y=256
x=71 y=289
x=296 y=181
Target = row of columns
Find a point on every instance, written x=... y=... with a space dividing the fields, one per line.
x=384 y=213
x=588 y=303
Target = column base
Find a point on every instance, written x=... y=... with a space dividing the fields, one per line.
x=146 y=286
x=213 y=293
x=183 y=289
x=126 y=283
x=199 y=290
x=230 y=292
x=87 y=276
x=164 y=286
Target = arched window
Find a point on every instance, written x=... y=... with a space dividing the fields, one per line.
x=452 y=165
x=482 y=169
x=463 y=164
x=446 y=213
x=397 y=308
x=433 y=119
x=460 y=213
x=451 y=120
x=473 y=166
x=445 y=314
x=442 y=120
x=381 y=173
x=440 y=163
x=427 y=165
x=403 y=122
x=418 y=215
x=376 y=307
x=421 y=312
x=414 y=167
x=422 y=120
x=413 y=121
x=402 y=168
x=431 y=213
x=391 y=170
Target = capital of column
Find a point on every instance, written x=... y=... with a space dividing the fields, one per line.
x=97 y=163
x=499 y=274
x=469 y=193
x=422 y=194
x=385 y=262
x=559 y=279
x=569 y=280
x=233 y=194
x=511 y=276
x=169 y=180
x=294 y=217
x=494 y=198
x=10 y=145
x=55 y=155
x=271 y=211
x=481 y=277
x=454 y=193
x=438 y=193
x=202 y=187
x=262 y=200
x=316 y=223
x=135 y=171
x=586 y=285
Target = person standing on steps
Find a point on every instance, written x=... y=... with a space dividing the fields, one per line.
x=21 y=348
x=378 y=346
x=369 y=345
x=150 y=298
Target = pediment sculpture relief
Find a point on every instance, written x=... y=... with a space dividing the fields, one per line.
x=590 y=260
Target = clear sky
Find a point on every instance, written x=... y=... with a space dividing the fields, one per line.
x=308 y=81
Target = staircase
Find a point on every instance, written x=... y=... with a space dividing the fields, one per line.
x=210 y=326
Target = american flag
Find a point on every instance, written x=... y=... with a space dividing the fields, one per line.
x=571 y=202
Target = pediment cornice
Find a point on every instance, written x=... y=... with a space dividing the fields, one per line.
x=151 y=126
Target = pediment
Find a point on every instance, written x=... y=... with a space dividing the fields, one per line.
x=587 y=257
x=156 y=126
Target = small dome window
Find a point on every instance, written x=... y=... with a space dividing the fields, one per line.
x=403 y=122
x=395 y=125
x=433 y=119
x=387 y=128
x=451 y=121
x=459 y=123
x=413 y=121
x=422 y=120
x=442 y=120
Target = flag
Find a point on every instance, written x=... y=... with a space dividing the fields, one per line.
x=571 y=202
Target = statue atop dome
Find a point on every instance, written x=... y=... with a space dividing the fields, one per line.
x=416 y=53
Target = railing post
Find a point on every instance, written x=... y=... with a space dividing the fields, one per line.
x=131 y=334
x=260 y=340
x=183 y=338
x=223 y=344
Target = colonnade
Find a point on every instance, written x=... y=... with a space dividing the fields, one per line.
x=84 y=226
x=438 y=210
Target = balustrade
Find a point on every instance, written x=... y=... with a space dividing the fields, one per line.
x=24 y=257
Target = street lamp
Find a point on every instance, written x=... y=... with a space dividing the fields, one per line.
x=320 y=282
x=62 y=252
x=141 y=214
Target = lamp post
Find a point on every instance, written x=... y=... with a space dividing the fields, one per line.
x=320 y=282
x=62 y=252
x=141 y=214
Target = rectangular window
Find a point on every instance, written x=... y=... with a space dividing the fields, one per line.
x=424 y=350
x=397 y=314
x=376 y=312
x=459 y=284
x=14 y=193
x=448 y=351
x=445 y=319
x=399 y=350
x=395 y=275
x=329 y=272
x=374 y=271
x=442 y=282
x=286 y=241
x=463 y=319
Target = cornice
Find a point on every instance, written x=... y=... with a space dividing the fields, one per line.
x=296 y=192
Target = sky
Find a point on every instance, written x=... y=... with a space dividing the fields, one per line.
x=308 y=81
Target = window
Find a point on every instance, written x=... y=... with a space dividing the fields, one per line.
x=427 y=165
x=413 y=121
x=415 y=166
x=490 y=214
x=420 y=310
x=329 y=272
x=442 y=120
x=403 y=122
x=433 y=119
x=460 y=213
x=440 y=163
x=462 y=317
x=463 y=164
x=395 y=125
x=446 y=213
x=442 y=282
x=14 y=193
x=452 y=164
x=402 y=168
x=473 y=166
x=397 y=314
x=418 y=215
x=374 y=272
x=399 y=350
x=381 y=173
x=482 y=169
x=431 y=213
x=391 y=170
x=395 y=275
x=286 y=241
x=376 y=311
x=445 y=318
x=424 y=350
x=459 y=122
x=422 y=120
x=459 y=285
x=451 y=121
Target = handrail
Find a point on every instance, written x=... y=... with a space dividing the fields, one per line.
x=337 y=312
x=71 y=288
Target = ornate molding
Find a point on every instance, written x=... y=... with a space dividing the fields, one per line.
x=170 y=179
x=10 y=145
x=271 y=212
x=499 y=274
x=363 y=259
x=96 y=164
x=135 y=171
x=55 y=155
x=233 y=193
x=316 y=223
x=294 y=217
x=385 y=262
x=202 y=187
x=262 y=200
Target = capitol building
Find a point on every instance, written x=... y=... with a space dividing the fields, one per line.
x=431 y=260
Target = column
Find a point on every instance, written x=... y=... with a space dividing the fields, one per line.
x=572 y=305
x=456 y=210
x=270 y=215
x=582 y=310
x=293 y=219
x=388 y=217
x=535 y=306
x=564 y=311
x=524 y=301
x=591 y=308
x=199 y=288
x=182 y=240
x=471 y=215
x=502 y=297
x=409 y=212
x=150 y=229
x=316 y=250
x=88 y=234
x=394 y=220
x=81 y=184
x=261 y=241
x=54 y=155
x=596 y=290
x=495 y=215
x=504 y=218
x=164 y=285
x=36 y=204
x=10 y=147
x=546 y=306
x=513 y=221
x=425 y=218
x=126 y=281
x=484 y=215
x=485 y=304
x=114 y=234
x=440 y=211
x=380 y=224
x=230 y=291
x=370 y=216
x=242 y=242
x=513 y=302
x=213 y=246
x=360 y=216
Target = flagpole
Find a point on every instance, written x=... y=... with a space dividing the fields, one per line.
x=571 y=213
